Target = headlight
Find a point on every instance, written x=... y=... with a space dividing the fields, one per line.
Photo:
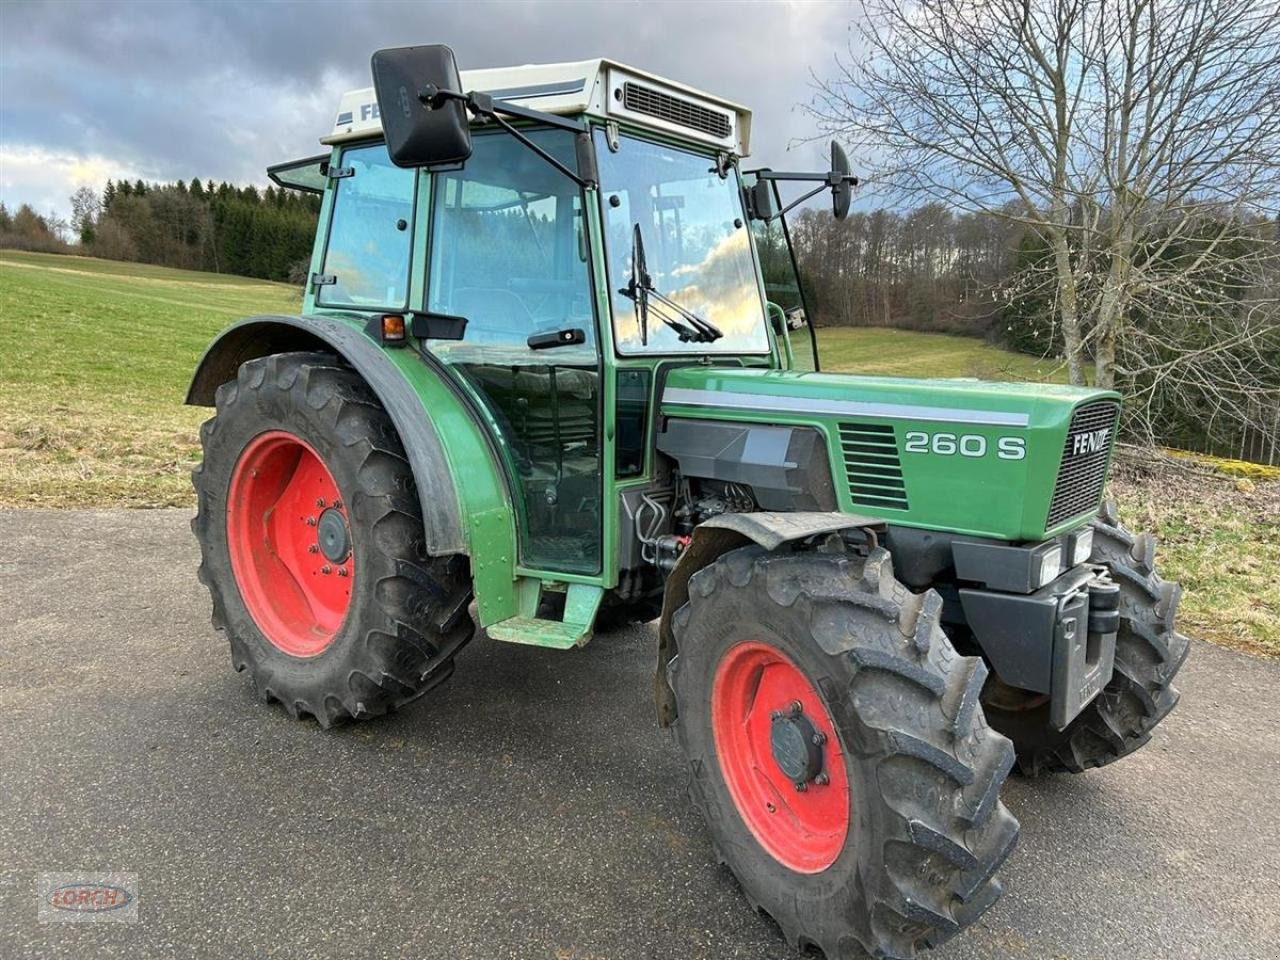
x=1049 y=564
x=1081 y=546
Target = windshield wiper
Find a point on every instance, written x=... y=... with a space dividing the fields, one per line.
x=689 y=327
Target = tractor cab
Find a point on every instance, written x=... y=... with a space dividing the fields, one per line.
x=558 y=242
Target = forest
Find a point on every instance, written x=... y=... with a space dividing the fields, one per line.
x=218 y=227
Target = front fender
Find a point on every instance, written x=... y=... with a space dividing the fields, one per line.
x=718 y=536
x=264 y=335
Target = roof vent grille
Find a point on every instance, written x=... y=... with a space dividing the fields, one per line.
x=655 y=103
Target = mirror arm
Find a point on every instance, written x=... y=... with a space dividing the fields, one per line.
x=483 y=105
x=827 y=180
x=486 y=105
x=792 y=205
x=505 y=125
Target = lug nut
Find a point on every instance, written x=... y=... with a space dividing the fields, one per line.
x=326 y=569
x=822 y=779
x=314 y=548
x=801 y=786
x=819 y=738
x=320 y=502
x=337 y=504
x=311 y=521
x=342 y=571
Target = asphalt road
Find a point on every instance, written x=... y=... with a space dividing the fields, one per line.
x=531 y=809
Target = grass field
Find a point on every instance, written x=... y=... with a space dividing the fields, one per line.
x=904 y=353
x=95 y=357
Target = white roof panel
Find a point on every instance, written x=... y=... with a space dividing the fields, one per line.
x=602 y=88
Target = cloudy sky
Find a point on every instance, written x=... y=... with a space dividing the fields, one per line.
x=166 y=90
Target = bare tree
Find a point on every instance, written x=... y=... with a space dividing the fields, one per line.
x=1139 y=138
x=86 y=207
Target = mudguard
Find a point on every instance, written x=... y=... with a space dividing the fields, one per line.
x=717 y=536
x=263 y=335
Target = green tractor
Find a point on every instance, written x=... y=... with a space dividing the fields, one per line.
x=553 y=373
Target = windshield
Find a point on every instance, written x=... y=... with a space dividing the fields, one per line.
x=697 y=249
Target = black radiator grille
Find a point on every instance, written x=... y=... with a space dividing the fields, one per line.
x=1084 y=461
x=871 y=465
x=664 y=106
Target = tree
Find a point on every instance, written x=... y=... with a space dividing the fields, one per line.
x=1116 y=130
x=25 y=229
x=85 y=210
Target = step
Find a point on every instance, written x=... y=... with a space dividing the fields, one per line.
x=541 y=633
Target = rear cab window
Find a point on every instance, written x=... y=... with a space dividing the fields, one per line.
x=370 y=232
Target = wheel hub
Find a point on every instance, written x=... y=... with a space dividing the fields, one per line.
x=333 y=535
x=796 y=745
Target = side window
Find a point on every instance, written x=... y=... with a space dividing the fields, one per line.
x=369 y=235
x=632 y=419
x=508 y=247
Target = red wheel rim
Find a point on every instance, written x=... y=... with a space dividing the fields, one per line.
x=297 y=594
x=804 y=831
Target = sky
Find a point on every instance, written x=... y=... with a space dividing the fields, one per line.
x=168 y=89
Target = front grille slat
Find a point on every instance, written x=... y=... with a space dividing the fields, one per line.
x=1083 y=474
x=872 y=468
x=677 y=110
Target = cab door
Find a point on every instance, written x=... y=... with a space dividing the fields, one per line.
x=508 y=252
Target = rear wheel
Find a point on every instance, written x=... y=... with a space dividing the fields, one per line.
x=312 y=547
x=838 y=750
x=1149 y=653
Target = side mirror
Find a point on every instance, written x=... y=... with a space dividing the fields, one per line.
x=423 y=110
x=760 y=205
x=841 y=183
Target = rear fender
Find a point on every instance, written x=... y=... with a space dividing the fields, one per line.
x=260 y=336
x=718 y=536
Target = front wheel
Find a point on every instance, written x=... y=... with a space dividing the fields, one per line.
x=1149 y=653
x=838 y=750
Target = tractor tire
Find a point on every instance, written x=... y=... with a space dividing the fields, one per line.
x=311 y=544
x=1149 y=652
x=893 y=845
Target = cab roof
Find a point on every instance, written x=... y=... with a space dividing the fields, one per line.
x=602 y=88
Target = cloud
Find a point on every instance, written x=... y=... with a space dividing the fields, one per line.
x=45 y=178
x=176 y=90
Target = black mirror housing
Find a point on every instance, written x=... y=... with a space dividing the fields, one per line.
x=841 y=183
x=760 y=201
x=420 y=99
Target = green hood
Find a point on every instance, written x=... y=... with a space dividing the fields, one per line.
x=959 y=455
